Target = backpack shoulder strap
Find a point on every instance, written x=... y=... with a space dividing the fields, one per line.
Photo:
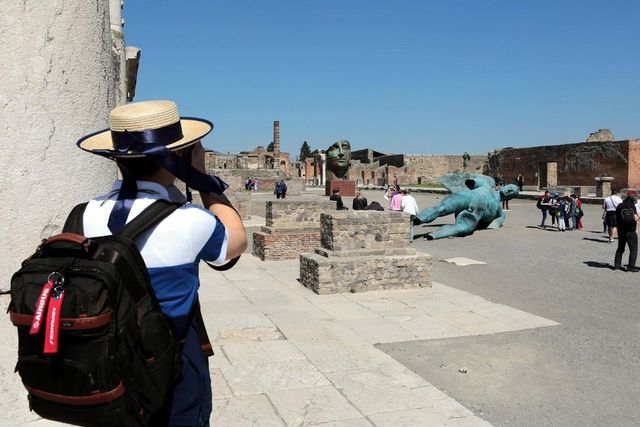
x=152 y=215
x=74 y=222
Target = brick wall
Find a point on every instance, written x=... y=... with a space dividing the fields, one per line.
x=291 y=228
x=576 y=164
x=281 y=245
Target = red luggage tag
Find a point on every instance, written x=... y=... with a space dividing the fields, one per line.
x=52 y=332
x=54 y=312
x=41 y=304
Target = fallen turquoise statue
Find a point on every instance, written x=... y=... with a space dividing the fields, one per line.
x=475 y=201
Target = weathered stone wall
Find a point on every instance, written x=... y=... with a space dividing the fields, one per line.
x=362 y=251
x=364 y=230
x=427 y=169
x=294 y=185
x=577 y=164
x=291 y=228
x=365 y=273
x=411 y=168
x=60 y=79
x=293 y=215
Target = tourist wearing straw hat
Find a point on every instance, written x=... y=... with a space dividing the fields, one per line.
x=152 y=145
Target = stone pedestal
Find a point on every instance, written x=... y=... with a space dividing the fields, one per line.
x=347 y=188
x=362 y=251
x=290 y=229
x=603 y=186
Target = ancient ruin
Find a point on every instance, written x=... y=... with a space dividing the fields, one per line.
x=558 y=167
x=290 y=229
x=363 y=251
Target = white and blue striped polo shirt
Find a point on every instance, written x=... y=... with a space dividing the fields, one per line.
x=171 y=250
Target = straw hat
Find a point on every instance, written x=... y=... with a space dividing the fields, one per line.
x=146 y=122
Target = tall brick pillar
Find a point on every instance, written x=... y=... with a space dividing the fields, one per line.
x=276 y=144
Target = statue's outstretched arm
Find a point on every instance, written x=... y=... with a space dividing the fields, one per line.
x=451 y=204
x=466 y=223
x=497 y=223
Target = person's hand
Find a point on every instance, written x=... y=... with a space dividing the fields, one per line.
x=197 y=157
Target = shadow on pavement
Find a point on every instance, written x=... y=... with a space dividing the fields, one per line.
x=595 y=240
x=545 y=228
x=598 y=264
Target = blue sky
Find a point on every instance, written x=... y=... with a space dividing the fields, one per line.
x=432 y=77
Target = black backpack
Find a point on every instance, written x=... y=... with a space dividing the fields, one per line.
x=116 y=358
x=628 y=216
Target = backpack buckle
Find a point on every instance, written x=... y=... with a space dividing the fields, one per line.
x=89 y=246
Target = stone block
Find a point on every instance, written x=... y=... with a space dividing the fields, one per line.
x=362 y=251
x=338 y=273
x=355 y=230
x=296 y=214
x=603 y=186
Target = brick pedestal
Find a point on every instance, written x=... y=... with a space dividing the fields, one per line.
x=290 y=229
x=271 y=244
x=347 y=188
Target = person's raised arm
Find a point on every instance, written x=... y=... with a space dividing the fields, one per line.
x=237 y=236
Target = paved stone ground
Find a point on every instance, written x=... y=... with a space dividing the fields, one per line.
x=585 y=371
x=285 y=356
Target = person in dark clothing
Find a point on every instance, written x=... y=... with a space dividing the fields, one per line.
x=360 y=202
x=626 y=219
x=543 y=204
x=374 y=206
x=338 y=199
x=281 y=189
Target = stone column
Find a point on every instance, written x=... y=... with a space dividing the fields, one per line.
x=323 y=159
x=119 y=50
x=276 y=144
x=60 y=83
x=603 y=186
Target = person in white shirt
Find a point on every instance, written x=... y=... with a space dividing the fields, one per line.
x=410 y=206
x=153 y=146
x=609 y=204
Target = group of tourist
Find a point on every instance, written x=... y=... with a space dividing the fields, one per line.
x=619 y=218
x=251 y=184
x=401 y=200
x=565 y=211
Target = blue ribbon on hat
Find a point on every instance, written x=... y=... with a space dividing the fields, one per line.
x=152 y=144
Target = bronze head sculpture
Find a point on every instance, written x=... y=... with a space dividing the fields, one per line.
x=338 y=159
